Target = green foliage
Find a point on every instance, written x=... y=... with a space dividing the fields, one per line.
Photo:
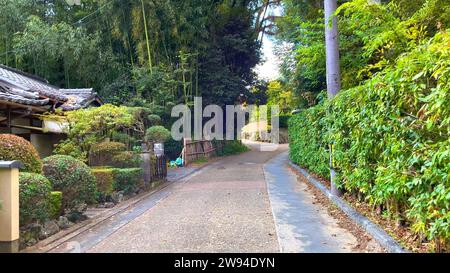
x=158 y=86
x=60 y=47
x=232 y=148
x=308 y=147
x=282 y=97
x=179 y=49
x=391 y=138
x=401 y=135
x=201 y=160
x=126 y=160
x=73 y=178
x=87 y=127
x=105 y=180
x=108 y=147
x=154 y=119
x=127 y=180
x=102 y=154
x=55 y=201
x=34 y=198
x=70 y=148
x=157 y=134
x=16 y=148
x=372 y=37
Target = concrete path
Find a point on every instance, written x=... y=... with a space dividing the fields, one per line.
x=245 y=203
x=302 y=226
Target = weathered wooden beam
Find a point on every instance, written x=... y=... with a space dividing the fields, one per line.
x=21 y=106
x=28 y=128
x=11 y=115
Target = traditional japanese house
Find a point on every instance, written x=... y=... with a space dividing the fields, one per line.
x=24 y=98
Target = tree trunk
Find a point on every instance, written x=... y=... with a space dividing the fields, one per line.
x=332 y=45
x=333 y=70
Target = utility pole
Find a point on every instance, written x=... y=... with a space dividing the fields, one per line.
x=333 y=71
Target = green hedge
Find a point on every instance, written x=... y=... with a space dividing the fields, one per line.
x=105 y=180
x=111 y=180
x=127 y=180
x=391 y=139
x=308 y=148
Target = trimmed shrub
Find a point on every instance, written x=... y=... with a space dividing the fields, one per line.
x=157 y=134
x=102 y=154
x=105 y=180
x=127 y=180
x=154 y=119
x=113 y=154
x=34 y=198
x=55 y=203
x=122 y=137
x=73 y=178
x=16 y=148
x=108 y=147
x=126 y=160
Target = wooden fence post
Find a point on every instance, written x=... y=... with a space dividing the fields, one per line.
x=9 y=206
x=185 y=152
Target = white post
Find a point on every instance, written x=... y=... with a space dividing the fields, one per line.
x=333 y=68
x=332 y=48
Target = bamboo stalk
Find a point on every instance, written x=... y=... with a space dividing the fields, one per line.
x=147 y=39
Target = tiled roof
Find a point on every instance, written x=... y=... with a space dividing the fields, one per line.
x=22 y=88
x=78 y=98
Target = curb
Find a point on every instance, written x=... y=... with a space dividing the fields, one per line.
x=385 y=240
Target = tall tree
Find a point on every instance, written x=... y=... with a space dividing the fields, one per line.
x=333 y=69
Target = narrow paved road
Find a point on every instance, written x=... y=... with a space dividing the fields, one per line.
x=246 y=203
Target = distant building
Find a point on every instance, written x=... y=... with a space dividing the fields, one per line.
x=25 y=97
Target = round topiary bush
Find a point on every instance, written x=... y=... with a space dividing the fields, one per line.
x=73 y=178
x=154 y=119
x=35 y=193
x=16 y=148
x=157 y=134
